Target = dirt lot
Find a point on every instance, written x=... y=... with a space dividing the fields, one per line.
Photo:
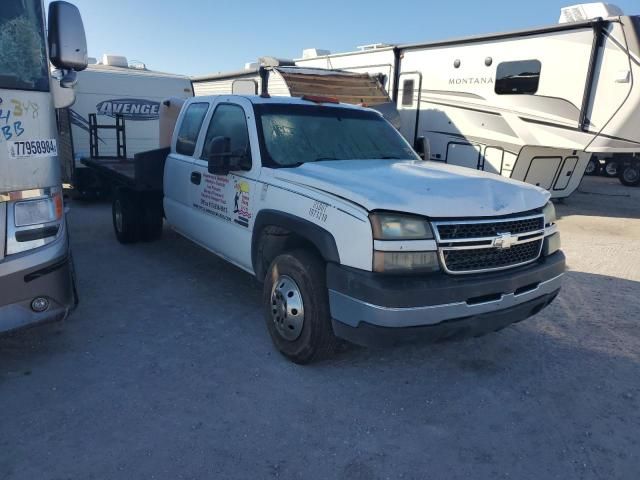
x=166 y=371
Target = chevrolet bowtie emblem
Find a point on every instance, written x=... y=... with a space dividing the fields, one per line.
x=504 y=241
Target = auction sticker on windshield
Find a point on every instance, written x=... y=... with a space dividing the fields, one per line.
x=33 y=148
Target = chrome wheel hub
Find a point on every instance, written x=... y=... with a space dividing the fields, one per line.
x=287 y=308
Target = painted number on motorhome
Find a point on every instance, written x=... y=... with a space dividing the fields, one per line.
x=33 y=148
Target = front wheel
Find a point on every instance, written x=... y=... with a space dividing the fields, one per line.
x=297 y=307
x=630 y=174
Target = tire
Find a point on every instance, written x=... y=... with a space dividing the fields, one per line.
x=611 y=169
x=152 y=218
x=126 y=214
x=592 y=167
x=630 y=174
x=296 y=304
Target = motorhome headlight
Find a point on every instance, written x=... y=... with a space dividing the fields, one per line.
x=405 y=262
x=549 y=212
x=397 y=226
x=38 y=211
x=35 y=219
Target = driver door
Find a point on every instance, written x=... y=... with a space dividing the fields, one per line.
x=223 y=204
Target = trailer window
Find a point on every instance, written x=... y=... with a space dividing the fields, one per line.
x=190 y=127
x=229 y=121
x=518 y=78
x=407 y=93
x=23 y=60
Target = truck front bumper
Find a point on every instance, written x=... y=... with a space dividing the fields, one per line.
x=45 y=273
x=374 y=309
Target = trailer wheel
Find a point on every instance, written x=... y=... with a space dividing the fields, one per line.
x=611 y=168
x=296 y=307
x=592 y=167
x=126 y=216
x=152 y=218
x=630 y=174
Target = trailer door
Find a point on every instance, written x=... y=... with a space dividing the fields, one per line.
x=409 y=87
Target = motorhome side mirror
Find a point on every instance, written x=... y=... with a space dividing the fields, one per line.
x=67 y=40
x=422 y=148
x=219 y=155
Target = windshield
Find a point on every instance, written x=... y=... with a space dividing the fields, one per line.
x=23 y=61
x=297 y=134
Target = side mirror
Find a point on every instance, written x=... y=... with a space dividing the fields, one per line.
x=67 y=40
x=423 y=148
x=218 y=155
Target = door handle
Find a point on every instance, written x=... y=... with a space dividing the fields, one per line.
x=196 y=177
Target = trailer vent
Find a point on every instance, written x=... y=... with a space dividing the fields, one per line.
x=588 y=11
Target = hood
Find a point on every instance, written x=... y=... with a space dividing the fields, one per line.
x=414 y=186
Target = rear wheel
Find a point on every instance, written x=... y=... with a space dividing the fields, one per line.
x=126 y=214
x=592 y=167
x=297 y=307
x=611 y=169
x=630 y=174
x=152 y=218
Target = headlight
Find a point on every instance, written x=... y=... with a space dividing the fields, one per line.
x=549 y=212
x=38 y=211
x=34 y=222
x=405 y=262
x=396 y=226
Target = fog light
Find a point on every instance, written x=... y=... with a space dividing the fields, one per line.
x=39 y=304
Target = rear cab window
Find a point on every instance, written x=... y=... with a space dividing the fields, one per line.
x=190 y=128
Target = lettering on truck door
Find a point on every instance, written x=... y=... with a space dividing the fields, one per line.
x=225 y=203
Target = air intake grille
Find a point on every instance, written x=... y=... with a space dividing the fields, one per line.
x=491 y=258
x=456 y=231
x=468 y=246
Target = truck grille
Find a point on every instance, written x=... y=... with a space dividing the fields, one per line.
x=487 y=245
x=456 y=231
x=491 y=258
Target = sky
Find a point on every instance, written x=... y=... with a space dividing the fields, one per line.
x=194 y=37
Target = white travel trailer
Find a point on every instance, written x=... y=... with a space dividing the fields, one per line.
x=281 y=78
x=126 y=99
x=532 y=105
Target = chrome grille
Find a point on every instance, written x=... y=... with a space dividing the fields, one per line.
x=456 y=231
x=491 y=258
x=485 y=245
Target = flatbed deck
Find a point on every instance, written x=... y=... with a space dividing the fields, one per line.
x=144 y=172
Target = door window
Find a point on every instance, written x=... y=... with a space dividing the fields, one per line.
x=229 y=121
x=190 y=127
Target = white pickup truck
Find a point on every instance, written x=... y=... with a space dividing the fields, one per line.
x=352 y=234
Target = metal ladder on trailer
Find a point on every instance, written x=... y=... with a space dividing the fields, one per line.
x=94 y=139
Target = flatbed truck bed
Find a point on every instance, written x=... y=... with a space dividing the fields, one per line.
x=137 y=192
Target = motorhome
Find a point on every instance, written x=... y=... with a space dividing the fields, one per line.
x=115 y=99
x=532 y=105
x=36 y=271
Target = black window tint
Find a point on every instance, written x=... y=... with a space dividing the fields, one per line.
x=522 y=77
x=190 y=127
x=407 y=92
x=228 y=121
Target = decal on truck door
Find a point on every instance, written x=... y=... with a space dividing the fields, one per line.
x=225 y=197
x=241 y=199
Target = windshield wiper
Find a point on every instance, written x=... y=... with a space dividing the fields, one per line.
x=321 y=159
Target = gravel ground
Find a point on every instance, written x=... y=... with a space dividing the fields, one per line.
x=166 y=371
